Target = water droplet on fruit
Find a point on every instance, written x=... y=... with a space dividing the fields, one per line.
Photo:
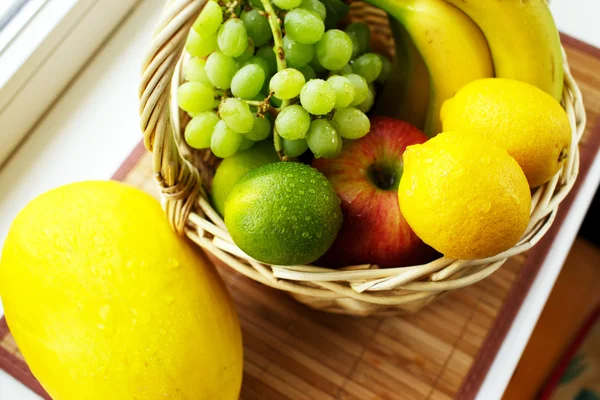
x=294 y=218
x=100 y=326
x=311 y=191
x=307 y=218
x=173 y=263
x=282 y=230
x=143 y=264
x=319 y=234
x=290 y=175
x=302 y=181
x=486 y=207
x=129 y=264
x=304 y=234
x=312 y=181
x=301 y=192
x=104 y=311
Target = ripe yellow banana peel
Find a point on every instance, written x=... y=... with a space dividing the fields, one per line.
x=523 y=40
x=452 y=46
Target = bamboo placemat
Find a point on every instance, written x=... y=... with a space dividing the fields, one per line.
x=443 y=352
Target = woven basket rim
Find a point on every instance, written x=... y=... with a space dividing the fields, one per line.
x=189 y=210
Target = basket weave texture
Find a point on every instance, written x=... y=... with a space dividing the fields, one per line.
x=184 y=177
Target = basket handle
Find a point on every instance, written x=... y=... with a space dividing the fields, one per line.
x=178 y=181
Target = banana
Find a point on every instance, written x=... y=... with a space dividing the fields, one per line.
x=523 y=39
x=452 y=46
x=406 y=94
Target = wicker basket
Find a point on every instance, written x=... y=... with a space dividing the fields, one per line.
x=184 y=176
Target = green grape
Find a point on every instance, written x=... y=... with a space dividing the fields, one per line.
x=257 y=26
x=287 y=83
x=220 y=69
x=322 y=139
x=248 y=81
x=209 y=20
x=315 y=6
x=257 y=4
x=317 y=97
x=292 y=122
x=368 y=66
x=346 y=69
x=287 y=4
x=344 y=91
x=294 y=148
x=199 y=46
x=224 y=142
x=297 y=55
x=261 y=129
x=386 y=68
x=237 y=115
x=366 y=105
x=304 y=26
x=232 y=37
x=195 y=97
x=261 y=62
x=317 y=67
x=249 y=52
x=308 y=72
x=193 y=71
x=351 y=123
x=334 y=50
x=246 y=144
x=198 y=131
x=361 y=88
x=266 y=53
x=361 y=35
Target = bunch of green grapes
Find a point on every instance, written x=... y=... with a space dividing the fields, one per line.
x=246 y=81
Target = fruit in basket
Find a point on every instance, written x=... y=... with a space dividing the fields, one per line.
x=452 y=46
x=252 y=70
x=523 y=40
x=517 y=116
x=106 y=302
x=283 y=213
x=233 y=168
x=366 y=176
x=464 y=196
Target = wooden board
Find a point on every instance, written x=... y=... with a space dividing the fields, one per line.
x=443 y=352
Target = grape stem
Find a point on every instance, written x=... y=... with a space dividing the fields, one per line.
x=275 y=24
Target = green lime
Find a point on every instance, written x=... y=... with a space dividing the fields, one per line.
x=233 y=168
x=283 y=213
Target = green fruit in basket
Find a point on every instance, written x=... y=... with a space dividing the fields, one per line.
x=199 y=46
x=368 y=66
x=209 y=20
x=315 y=6
x=248 y=81
x=199 y=130
x=195 y=97
x=334 y=50
x=257 y=27
x=360 y=34
x=292 y=122
x=297 y=55
x=106 y=302
x=193 y=71
x=284 y=213
x=318 y=97
x=220 y=69
x=233 y=168
x=304 y=26
x=232 y=37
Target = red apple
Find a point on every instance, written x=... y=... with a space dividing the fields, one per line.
x=366 y=176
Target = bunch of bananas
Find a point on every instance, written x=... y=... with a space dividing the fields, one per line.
x=442 y=45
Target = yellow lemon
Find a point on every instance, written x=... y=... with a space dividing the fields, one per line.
x=464 y=196
x=106 y=302
x=516 y=116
